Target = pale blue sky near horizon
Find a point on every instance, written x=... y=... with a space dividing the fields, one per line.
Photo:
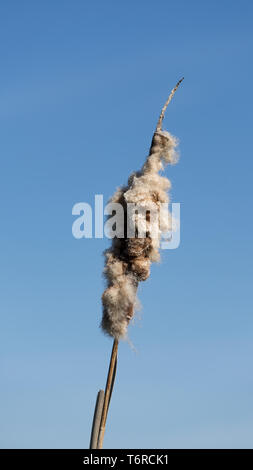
x=81 y=88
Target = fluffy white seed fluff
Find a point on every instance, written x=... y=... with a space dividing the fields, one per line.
x=128 y=260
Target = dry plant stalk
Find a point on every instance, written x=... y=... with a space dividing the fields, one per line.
x=102 y=403
x=108 y=391
x=128 y=260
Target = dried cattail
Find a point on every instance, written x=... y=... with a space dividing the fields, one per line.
x=128 y=260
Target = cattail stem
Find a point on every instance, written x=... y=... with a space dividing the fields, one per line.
x=108 y=391
x=160 y=120
x=97 y=419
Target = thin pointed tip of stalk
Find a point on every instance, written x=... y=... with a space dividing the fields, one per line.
x=160 y=120
x=177 y=85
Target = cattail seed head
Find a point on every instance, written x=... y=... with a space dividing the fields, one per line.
x=128 y=260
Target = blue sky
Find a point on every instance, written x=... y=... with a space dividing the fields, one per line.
x=81 y=87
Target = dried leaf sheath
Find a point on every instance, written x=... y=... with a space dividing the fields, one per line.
x=128 y=260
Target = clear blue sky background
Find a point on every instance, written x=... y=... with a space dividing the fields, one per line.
x=81 y=87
